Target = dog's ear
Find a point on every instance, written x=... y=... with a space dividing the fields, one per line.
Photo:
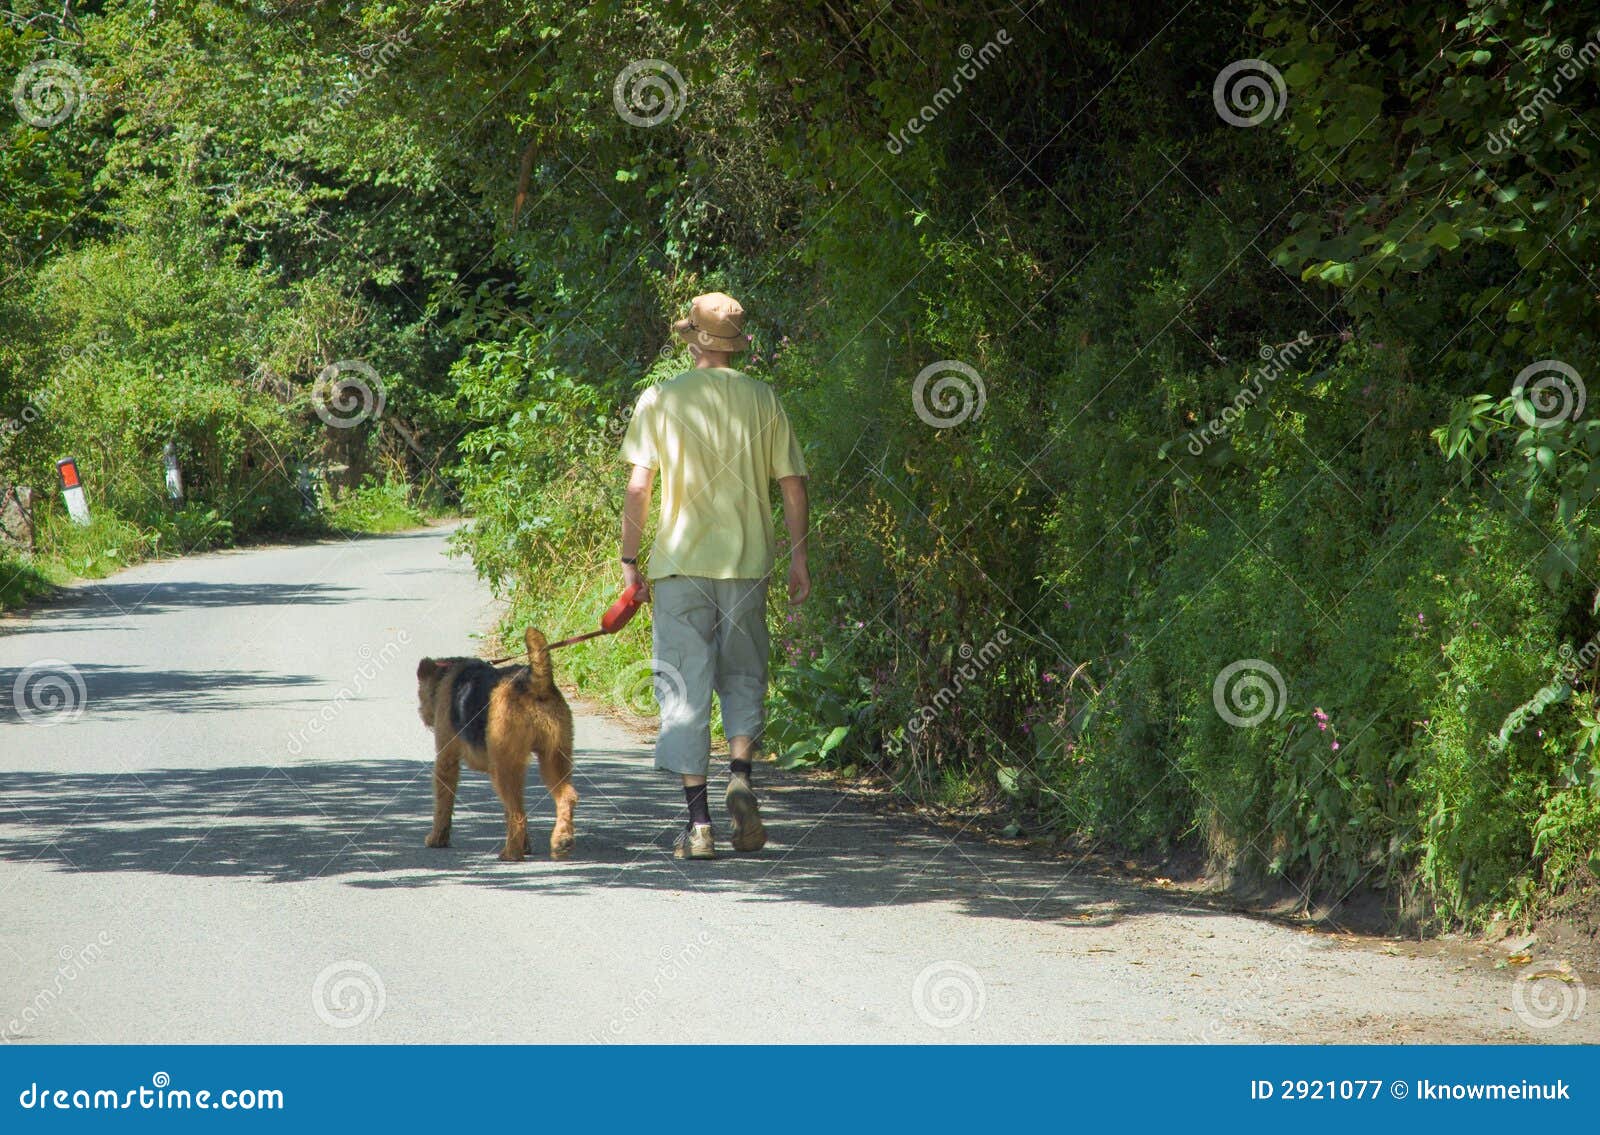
x=430 y=666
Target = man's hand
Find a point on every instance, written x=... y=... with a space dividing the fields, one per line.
x=799 y=581
x=633 y=577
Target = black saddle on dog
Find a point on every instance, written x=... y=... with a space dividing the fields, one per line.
x=469 y=701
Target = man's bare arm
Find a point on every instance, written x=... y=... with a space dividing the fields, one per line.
x=635 y=508
x=797 y=518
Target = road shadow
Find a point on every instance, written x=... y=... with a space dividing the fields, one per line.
x=115 y=600
x=364 y=822
x=93 y=600
x=47 y=690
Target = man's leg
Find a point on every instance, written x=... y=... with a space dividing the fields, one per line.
x=741 y=680
x=683 y=615
x=696 y=841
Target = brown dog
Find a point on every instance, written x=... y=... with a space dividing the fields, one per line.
x=494 y=720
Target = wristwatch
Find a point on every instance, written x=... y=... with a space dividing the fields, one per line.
x=631 y=560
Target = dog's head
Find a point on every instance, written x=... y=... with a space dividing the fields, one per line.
x=430 y=672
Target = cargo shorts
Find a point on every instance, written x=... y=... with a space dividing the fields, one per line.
x=709 y=635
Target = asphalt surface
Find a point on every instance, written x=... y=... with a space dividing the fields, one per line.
x=218 y=837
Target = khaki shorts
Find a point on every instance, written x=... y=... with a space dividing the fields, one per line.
x=710 y=635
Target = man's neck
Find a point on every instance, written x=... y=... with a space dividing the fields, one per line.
x=719 y=359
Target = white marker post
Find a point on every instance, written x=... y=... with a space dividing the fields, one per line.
x=308 y=491
x=72 y=490
x=174 y=474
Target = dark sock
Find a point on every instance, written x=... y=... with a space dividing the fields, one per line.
x=699 y=809
x=741 y=768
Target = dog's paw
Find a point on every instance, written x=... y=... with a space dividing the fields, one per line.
x=512 y=854
x=436 y=840
x=561 y=845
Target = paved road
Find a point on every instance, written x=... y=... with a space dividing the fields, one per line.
x=225 y=844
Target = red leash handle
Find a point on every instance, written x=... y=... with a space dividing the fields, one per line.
x=616 y=617
x=626 y=606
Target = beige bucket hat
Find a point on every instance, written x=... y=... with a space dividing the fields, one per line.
x=716 y=323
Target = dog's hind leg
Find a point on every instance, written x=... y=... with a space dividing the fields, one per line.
x=508 y=774
x=446 y=775
x=555 y=769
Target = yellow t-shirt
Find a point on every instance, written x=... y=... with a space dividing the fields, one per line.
x=717 y=438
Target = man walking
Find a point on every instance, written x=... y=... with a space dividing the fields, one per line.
x=718 y=438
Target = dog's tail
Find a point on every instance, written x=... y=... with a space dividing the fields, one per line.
x=544 y=683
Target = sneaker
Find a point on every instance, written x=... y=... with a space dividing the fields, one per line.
x=695 y=842
x=749 y=833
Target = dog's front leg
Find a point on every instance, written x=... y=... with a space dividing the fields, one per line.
x=446 y=775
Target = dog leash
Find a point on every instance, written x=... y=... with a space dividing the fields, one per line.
x=615 y=618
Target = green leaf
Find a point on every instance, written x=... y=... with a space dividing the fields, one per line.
x=794 y=755
x=1340 y=275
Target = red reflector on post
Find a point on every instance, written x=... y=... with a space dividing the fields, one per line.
x=68 y=469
